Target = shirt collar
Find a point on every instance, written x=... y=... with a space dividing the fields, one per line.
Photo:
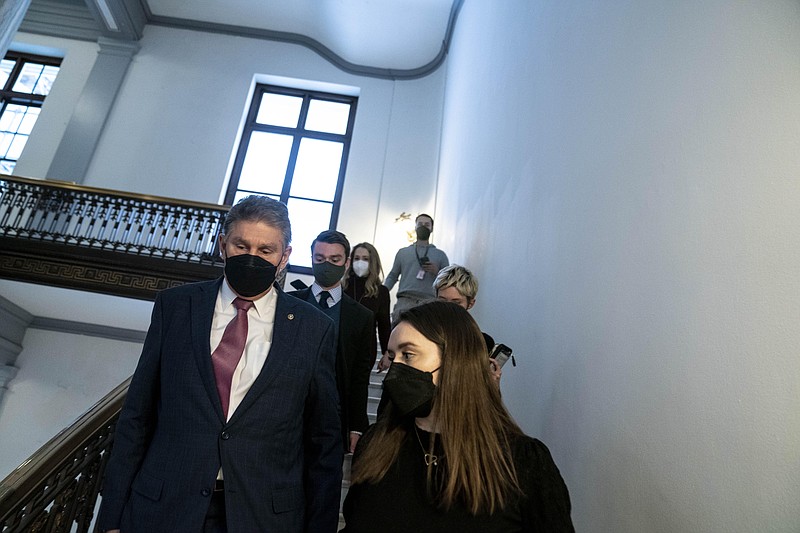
x=336 y=292
x=228 y=296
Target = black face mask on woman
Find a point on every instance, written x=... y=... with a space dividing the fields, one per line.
x=410 y=390
x=249 y=275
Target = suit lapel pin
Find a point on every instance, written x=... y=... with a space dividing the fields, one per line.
x=290 y=316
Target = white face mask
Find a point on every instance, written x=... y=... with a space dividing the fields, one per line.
x=361 y=267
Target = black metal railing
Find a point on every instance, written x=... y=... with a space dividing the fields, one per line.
x=102 y=240
x=108 y=220
x=56 y=489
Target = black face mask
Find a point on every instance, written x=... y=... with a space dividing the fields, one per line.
x=423 y=233
x=327 y=274
x=410 y=390
x=249 y=275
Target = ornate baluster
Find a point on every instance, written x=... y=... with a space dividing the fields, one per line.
x=72 y=220
x=8 y=202
x=26 y=212
x=202 y=234
x=117 y=214
x=62 y=217
x=137 y=216
x=189 y=228
x=211 y=237
x=166 y=227
x=156 y=212
x=95 y=213
x=44 y=209
x=83 y=206
x=16 y=209
x=180 y=227
x=109 y=214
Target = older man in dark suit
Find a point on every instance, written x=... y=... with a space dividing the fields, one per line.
x=354 y=327
x=231 y=420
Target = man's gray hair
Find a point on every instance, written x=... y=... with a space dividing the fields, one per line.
x=264 y=209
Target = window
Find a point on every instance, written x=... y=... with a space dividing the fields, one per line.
x=25 y=81
x=294 y=148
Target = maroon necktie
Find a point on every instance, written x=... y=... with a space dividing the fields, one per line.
x=226 y=357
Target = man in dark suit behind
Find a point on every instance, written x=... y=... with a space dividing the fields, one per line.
x=209 y=441
x=355 y=330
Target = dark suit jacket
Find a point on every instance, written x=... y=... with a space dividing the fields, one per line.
x=280 y=452
x=355 y=356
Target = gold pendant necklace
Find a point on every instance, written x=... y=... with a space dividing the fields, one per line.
x=430 y=459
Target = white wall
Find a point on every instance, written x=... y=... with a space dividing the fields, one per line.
x=51 y=389
x=175 y=122
x=172 y=132
x=624 y=179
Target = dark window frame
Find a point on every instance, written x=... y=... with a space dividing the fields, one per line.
x=10 y=97
x=297 y=133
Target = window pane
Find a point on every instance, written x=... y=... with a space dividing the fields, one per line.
x=28 y=120
x=308 y=220
x=16 y=146
x=45 y=82
x=28 y=78
x=265 y=163
x=279 y=110
x=245 y=194
x=7 y=167
x=317 y=169
x=5 y=143
x=329 y=117
x=5 y=71
x=12 y=117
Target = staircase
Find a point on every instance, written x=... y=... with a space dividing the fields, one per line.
x=374 y=398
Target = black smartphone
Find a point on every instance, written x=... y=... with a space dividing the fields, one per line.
x=424 y=260
x=500 y=353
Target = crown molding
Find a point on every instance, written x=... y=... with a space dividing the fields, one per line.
x=125 y=20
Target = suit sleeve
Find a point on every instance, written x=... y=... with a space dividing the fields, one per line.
x=382 y=316
x=359 y=374
x=323 y=441
x=134 y=427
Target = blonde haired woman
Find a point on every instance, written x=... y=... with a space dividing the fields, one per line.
x=363 y=282
x=446 y=455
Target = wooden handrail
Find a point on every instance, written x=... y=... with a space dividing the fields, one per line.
x=59 y=484
x=72 y=186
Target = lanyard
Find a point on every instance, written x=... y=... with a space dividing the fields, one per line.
x=423 y=255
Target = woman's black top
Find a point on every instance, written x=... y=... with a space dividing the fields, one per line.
x=377 y=304
x=400 y=501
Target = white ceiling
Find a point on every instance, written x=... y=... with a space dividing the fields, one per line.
x=385 y=34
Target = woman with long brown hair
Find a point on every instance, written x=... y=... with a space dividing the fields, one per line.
x=446 y=454
x=363 y=282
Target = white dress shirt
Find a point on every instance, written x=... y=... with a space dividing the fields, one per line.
x=260 y=322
